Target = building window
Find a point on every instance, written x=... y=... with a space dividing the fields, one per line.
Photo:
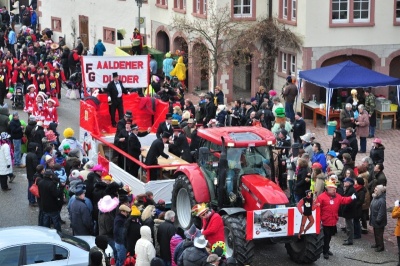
x=56 y=24
x=109 y=35
x=288 y=12
x=284 y=62
x=242 y=8
x=162 y=3
x=397 y=12
x=180 y=4
x=200 y=8
x=287 y=64
x=294 y=10
x=352 y=12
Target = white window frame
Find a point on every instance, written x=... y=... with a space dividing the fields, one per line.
x=348 y=12
x=241 y=7
x=360 y=10
x=284 y=62
x=293 y=67
x=285 y=9
x=204 y=7
x=184 y=4
x=198 y=6
x=294 y=10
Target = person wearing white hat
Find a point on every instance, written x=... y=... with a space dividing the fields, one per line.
x=5 y=160
x=51 y=114
x=307 y=145
x=196 y=255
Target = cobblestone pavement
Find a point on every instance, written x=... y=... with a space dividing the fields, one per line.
x=391 y=140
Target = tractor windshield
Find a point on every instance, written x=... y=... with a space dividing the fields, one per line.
x=251 y=160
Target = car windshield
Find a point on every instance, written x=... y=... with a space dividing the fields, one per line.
x=251 y=160
x=77 y=242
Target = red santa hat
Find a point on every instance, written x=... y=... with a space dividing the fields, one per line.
x=31 y=86
x=50 y=100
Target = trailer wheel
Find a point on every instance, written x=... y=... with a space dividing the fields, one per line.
x=183 y=201
x=235 y=239
x=307 y=249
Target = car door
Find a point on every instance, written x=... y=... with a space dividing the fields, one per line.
x=11 y=256
x=45 y=254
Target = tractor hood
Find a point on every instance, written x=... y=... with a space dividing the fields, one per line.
x=263 y=190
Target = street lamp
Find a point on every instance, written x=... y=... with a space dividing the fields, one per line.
x=139 y=4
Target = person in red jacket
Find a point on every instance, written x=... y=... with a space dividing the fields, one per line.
x=330 y=202
x=212 y=223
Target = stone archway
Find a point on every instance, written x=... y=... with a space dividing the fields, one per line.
x=200 y=64
x=162 y=41
x=394 y=72
x=242 y=77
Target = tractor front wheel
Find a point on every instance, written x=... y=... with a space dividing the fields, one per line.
x=182 y=202
x=307 y=249
x=235 y=239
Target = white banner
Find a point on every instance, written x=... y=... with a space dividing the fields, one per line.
x=133 y=71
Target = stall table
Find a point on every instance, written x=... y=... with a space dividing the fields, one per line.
x=316 y=110
x=381 y=115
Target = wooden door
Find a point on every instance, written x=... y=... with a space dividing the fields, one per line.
x=84 y=30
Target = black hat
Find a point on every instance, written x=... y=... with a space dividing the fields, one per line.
x=134 y=126
x=128 y=114
x=284 y=132
x=289 y=79
x=169 y=115
x=165 y=135
x=360 y=181
x=48 y=173
x=115 y=74
x=298 y=113
x=101 y=242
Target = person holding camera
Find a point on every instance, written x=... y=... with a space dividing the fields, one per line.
x=303 y=179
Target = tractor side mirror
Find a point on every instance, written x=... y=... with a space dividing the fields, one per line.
x=204 y=152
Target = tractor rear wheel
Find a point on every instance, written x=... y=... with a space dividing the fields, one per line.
x=235 y=239
x=182 y=202
x=307 y=249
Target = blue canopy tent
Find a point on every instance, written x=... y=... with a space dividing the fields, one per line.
x=346 y=75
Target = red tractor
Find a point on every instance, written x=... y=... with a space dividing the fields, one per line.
x=233 y=174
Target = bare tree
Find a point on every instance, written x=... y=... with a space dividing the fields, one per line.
x=218 y=32
x=271 y=36
x=73 y=30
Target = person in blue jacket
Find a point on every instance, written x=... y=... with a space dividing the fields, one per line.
x=319 y=156
x=99 y=48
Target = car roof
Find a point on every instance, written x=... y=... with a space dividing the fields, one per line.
x=240 y=136
x=27 y=234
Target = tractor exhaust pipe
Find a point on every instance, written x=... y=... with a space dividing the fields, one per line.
x=222 y=171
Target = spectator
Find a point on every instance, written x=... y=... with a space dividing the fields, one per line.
x=351 y=137
x=165 y=232
x=362 y=124
x=319 y=156
x=210 y=109
x=348 y=211
x=190 y=235
x=148 y=216
x=5 y=160
x=133 y=225
x=348 y=167
x=318 y=179
x=71 y=141
x=359 y=206
x=144 y=249
x=93 y=178
x=153 y=65
x=344 y=148
x=196 y=255
x=299 y=127
x=377 y=153
x=303 y=181
x=87 y=168
x=370 y=108
x=119 y=233
x=396 y=214
x=17 y=132
x=81 y=217
x=101 y=246
x=307 y=146
x=99 y=48
x=167 y=64
x=337 y=137
x=379 y=178
x=31 y=163
x=290 y=94
x=176 y=239
x=49 y=195
x=346 y=119
x=378 y=216
x=334 y=164
x=219 y=95
x=107 y=211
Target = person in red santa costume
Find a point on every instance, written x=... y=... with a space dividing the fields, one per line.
x=212 y=223
x=53 y=85
x=30 y=99
x=32 y=76
x=60 y=77
x=42 y=83
x=50 y=113
x=41 y=104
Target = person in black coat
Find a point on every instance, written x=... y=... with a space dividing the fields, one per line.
x=81 y=218
x=31 y=162
x=135 y=149
x=165 y=126
x=179 y=146
x=115 y=89
x=92 y=179
x=122 y=122
x=156 y=149
x=353 y=143
x=210 y=110
x=79 y=47
x=360 y=193
x=337 y=137
x=132 y=230
x=121 y=141
x=348 y=211
x=220 y=95
x=299 y=127
x=64 y=62
x=120 y=234
x=16 y=132
x=37 y=134
x=165 y=232
x=49 y=196
x=377 y=153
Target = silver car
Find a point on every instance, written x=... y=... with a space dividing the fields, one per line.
x=26 y=245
